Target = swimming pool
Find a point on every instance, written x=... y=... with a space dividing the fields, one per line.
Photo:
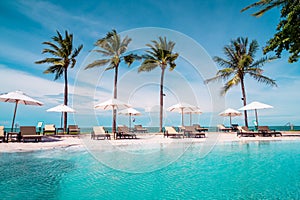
x=254 y=170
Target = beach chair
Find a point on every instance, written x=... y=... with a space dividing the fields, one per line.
x=222 y=128
x=99 y=132
x=124 y=133
x=73 y=129
x=2 y=134
x=190 y=131
x=139 y=129
x=171 y=132
x=245 y=132
x=266 y=131
x=199 y=128
x=49 y=129
x=234 y=127
x=29 y=133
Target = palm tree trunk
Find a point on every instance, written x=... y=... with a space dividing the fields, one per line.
x=244 y=101
x=66 y=99
x=161 y=98
x=114 y=122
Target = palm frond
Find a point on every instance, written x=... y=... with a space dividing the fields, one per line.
x=55 y=47
x=55 y=69
x=103 y=52
x=253 y=48
x=224 y=63
x=263 y=61
x=172 y=66
x=110 y=67
x=106 y=46
x=97 y=63
x=129 y=59
x=51 y=51
x=73 y=62
x=49 y=60
x=148 y=66
x=124 y=45
x=229 y=84
x=222 y=74
x=231 y=53
x=265 y=6
x=76 y=51
x=263 y=79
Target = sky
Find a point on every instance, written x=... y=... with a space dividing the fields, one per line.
x=200 y=30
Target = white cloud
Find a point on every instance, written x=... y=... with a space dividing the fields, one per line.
x=52 y=17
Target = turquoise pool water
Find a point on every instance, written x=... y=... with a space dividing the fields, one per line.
x=256 y=170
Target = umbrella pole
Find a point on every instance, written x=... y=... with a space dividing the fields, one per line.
x=230 y=120
x=182 y=124
x=190 y=118
x=13 y=122
x=61 y=119
x=114 y=121
x=256 y=118
x=129 y=122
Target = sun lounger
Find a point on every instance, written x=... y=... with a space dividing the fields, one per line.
x=245 y=132
x=29 y=133
x=171 y=132
x=266 y=131
x=49 y=129
x=199 y=128
x=73 y=129
x=139 y=129
x=2 y=134
x=234 y=127
x=190 y=131
x=222 y=128
x=123 y=133
x=99 y=132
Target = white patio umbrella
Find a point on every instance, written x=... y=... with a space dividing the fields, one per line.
x=18 y=97
x=182 y=108
x=191 y=113
x=229 y=112
x=256 y=106
x=130 y=112
x=112 y=104
x=61 y=108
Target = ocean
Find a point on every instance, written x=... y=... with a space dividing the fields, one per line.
x=156 y=129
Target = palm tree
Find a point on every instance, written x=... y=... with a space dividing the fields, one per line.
x=63 y=56
x=239 y=63
x=286 y=37
x=265 y=6
x=159 y=55
x=113 y=48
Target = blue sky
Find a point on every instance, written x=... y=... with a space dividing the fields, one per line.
x=200 y=30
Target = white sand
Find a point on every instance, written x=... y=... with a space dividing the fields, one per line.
x=49 y=142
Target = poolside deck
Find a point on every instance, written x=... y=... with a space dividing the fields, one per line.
x=79 y=141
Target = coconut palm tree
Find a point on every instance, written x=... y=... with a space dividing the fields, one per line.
x=112 y=49
x=238 y=63
x=64 y=56
x=160 y=55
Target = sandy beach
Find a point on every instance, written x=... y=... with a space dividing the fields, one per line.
x=79 y=141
